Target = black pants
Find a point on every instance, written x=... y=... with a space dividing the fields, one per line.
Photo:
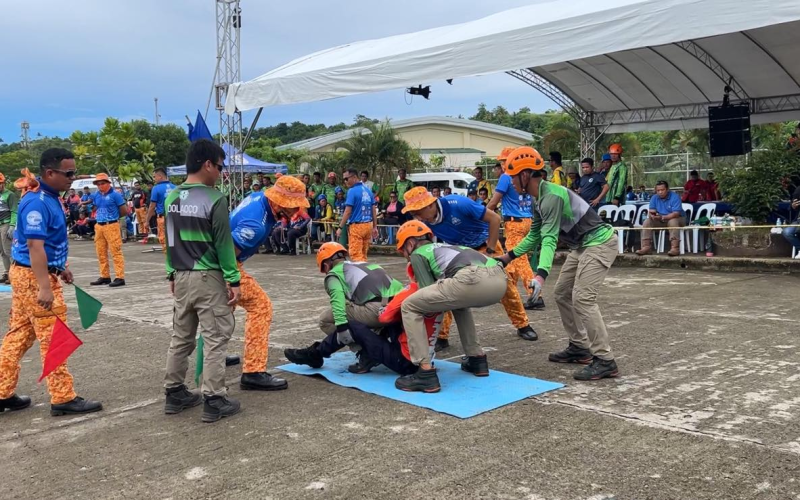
x=383 y=348
x=81 y=230
x=292 y=235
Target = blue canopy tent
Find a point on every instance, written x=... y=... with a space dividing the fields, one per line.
x=250 y=165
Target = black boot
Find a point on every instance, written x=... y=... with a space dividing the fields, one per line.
x=77 y=406
x=101 y=281
x=363 y=365
x=476 y=365
x=180 y=398
x=422 y=381
x=4 y=279
x=528 y=333
x=537 y=305
x=217 y=407
x=441 y=344
x=308 y=356
x=14 y=403
x=262 y=381
x=600 y=368
x=117 y=282
x=572 y=354
x=232 y=360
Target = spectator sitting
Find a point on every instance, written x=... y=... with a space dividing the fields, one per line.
x=642 y=194
x=573 y=178
x=792 y=234
x=278 y=237
x=298 y=226
x=695 y=188
x=256 y=188
x=82 y=228
x=592 y=186
x=393 y=216
x=324 y=219
x=629 y=194
x=712 y=188
x=448 y=191
x=267 y=182
x=473 y=195
x=665 y=211
x=339 y=202
x=483 y=196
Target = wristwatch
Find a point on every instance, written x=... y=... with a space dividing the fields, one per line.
x=489 y=250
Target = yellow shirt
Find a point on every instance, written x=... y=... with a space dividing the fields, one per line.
x=558 y=177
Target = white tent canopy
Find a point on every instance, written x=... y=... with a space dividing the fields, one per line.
x=623 y=64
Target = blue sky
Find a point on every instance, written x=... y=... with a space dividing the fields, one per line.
x=71 y=64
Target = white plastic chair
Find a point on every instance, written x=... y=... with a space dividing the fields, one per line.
x=610 y=210
x=628 y=213
x=663 y=236
x=642 y=214
x=303 y=245
x=698 y=237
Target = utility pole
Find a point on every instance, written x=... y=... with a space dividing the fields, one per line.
x=155 y=99
x=26 y=127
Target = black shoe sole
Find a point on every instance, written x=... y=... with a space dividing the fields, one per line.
x=440 y=348
x=581 y=361
x=477 y=374
x=175 y=409
x=535 y=308
x=254 y=387
x=210 y=418
x=426 y=391
x=527 y=337
x=293 y=361
x=18 y=408
x=61 y=413
x=613 y=374
x=99 y=284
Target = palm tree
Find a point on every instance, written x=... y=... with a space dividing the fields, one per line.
x=377 y=149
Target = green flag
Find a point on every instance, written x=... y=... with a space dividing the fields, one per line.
x=88 y=307
x=198 y=370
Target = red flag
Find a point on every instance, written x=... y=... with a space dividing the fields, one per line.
x=63 y=343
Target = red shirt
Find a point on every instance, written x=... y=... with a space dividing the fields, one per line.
x=694 y=191
x=712 y=191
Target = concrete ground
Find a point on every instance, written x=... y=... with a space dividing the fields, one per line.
x=706 y=406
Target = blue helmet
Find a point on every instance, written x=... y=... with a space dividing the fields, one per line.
x=339 y=190
x=322 y=197
x=606 y=157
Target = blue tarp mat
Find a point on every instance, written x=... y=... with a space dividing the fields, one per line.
x=5 y=288
x=463 y=395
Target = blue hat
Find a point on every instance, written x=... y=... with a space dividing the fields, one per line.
x=606 y=157
x=322 y=197
x=338 y=190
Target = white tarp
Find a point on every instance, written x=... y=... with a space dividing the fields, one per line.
x=527 y=37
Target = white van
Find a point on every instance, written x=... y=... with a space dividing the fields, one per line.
x=457 y=181
x=78 y=184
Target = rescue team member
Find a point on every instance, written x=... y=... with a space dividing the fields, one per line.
x=517 y=222
x=8 y=223
x=617 y=176
x=357 y=292
x=158 y=195
x=40 y=257
x=139 y=201
x=107 y=236
x=251 y=224
x=360 y=217
x=457 y=220
x=464 y=278
x=204 y=279
x=562 y=214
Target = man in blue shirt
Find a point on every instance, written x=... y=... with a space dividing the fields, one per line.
x=457 y=220
x=37 y=299
x=86 y=200
x=666 y=210
x=592 y=185
x=517 y=223
x=107 y=234
x=360 y=217
x=157 y=196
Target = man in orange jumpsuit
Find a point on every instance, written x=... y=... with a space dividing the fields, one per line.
x=40 y=258
x=360 y=217
x=110 y=208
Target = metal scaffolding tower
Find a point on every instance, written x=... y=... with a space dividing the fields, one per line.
x=229 y=24
x=25 y=134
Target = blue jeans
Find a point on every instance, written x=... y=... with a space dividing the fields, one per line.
x=792 y=236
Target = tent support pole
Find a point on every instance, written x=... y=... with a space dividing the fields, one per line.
x=250 y=130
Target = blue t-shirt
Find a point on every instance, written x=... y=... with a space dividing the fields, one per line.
x=361 y=199
x=514 y=205
x=41 y=217
x=87 y=197
x=251 y=224
x=108 y=205
x=461 y=222
x=592 y=185
x=666 y=207
x=159 y=194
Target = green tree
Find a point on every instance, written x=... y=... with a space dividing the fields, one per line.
x=13 y=161
x=377 y=149
x=115 y=150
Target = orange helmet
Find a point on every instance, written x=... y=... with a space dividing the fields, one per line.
x=505 y=152
x=523 y=158
x=328 y=250
x=416 y=199
x=411 y=229
x=615 y=149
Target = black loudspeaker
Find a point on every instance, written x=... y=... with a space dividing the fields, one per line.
x=729 y=130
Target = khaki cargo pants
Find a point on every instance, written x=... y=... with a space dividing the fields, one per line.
x=366 y=314
x=470 y=287
x=201 y=301
x=576 y=292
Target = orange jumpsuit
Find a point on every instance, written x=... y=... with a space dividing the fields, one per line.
x=520 y=268
x=256 y=303
x=143 y=229
x=359 y=237
x=29 y=322
x=107 y=237
x=162 y=232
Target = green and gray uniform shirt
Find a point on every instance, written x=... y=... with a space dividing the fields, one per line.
x=617 y=182
x=560 y=213
x=437 y=261
x=199 y=233
x=8 y=207
x=358 y=283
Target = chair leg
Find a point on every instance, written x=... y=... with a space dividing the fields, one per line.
x=621 y=240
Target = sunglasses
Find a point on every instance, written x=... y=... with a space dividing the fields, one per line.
x=69 y=174
x=219 y=167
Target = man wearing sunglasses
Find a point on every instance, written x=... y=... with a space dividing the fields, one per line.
x=360 y=217
x=111 y=207
x=37 y=299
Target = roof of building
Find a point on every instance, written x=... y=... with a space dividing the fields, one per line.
x=331 y=139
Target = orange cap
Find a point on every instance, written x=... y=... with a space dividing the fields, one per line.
x=100 y=178
x=416 y=199
x=615 y=149
x=288 y=192
x=328 y=250
x=523 y=158
x=505 y=152
x=411 y=229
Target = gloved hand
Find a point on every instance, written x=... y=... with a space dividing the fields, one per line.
x=10 y=232
x=536 y=285
x=344 y=336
